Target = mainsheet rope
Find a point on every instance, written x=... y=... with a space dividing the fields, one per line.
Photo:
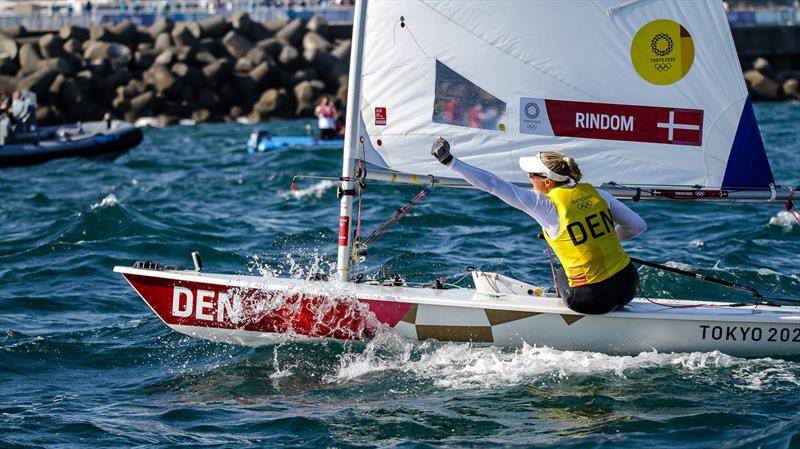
x=552 y=268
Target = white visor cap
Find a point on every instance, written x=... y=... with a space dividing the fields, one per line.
x=534 y=164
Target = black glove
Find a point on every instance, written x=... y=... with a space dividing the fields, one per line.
x=441 y=151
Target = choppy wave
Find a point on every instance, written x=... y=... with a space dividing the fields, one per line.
x=316 y=190
x=85 y=362
x=109 y=200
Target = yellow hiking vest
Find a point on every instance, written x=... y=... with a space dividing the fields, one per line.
x=586 y=243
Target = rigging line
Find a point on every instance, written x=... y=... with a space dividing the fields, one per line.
x=552 y=266
x=411 y=33
x=384 y=227
x=789 y=206
x=502 y=50
x=359 y=172
x=540 y=236
x=360 y=175
x=712 y=280
x=709 y=305
x=671 y=306
x=699 y=276
x=795 y=214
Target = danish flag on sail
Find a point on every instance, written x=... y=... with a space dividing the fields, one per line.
x=632 y=123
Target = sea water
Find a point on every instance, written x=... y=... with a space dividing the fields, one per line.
x=85 y=363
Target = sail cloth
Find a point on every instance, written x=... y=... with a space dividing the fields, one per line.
x=646 y=93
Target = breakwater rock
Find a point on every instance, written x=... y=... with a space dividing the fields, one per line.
x=213 y=70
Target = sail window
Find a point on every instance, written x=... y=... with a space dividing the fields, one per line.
x=460 y=102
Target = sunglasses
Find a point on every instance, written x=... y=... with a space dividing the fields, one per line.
x=536 y=175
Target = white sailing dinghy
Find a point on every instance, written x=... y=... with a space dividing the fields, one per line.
x=647 y=95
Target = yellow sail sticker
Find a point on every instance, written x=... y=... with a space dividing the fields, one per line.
x=662 y=52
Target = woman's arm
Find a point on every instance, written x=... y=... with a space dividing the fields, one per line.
x=533 y=203
x=628 y=223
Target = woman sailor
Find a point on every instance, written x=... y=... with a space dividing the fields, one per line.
x=597 y=275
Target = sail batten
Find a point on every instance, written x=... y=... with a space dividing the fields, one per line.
x=649 y=93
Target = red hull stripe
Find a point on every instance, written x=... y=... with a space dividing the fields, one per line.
x=215 y=306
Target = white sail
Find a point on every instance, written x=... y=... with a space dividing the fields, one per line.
x=638 y=92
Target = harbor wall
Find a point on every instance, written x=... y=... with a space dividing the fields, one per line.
x=212 y=70
x=229 y=68
x=770 y=59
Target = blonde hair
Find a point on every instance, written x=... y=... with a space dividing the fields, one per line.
x=563 y=165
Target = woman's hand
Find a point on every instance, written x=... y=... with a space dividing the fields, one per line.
x=441 y=151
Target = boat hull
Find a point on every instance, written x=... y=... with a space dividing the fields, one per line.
x=93 y=139
x=254 y=311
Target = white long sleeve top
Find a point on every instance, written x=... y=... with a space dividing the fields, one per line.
x=539 y=206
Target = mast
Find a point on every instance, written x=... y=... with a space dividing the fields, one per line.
x=351 y=137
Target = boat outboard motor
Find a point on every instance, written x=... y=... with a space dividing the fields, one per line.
x=258 y=141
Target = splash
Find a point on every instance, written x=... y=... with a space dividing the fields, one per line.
x=767 y=272
x=314 y=191
x=280 y=371
x=783 y=219
x=767 y=374
x=109 y=200
x=679 y=265
x=316 y=304
x=305 y=265
x=464 y=366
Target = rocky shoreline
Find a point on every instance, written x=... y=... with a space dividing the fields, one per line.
x=217 y=69
x=763 y=85
x=212 y=70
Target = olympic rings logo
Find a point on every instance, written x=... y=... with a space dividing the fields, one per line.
x=663 y=67
x=656 y=42
x=527 y=110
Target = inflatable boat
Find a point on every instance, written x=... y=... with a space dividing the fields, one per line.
x=261 y=141
x=100 y=138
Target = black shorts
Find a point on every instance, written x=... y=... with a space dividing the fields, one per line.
x=602 y=297
x=327 y=134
